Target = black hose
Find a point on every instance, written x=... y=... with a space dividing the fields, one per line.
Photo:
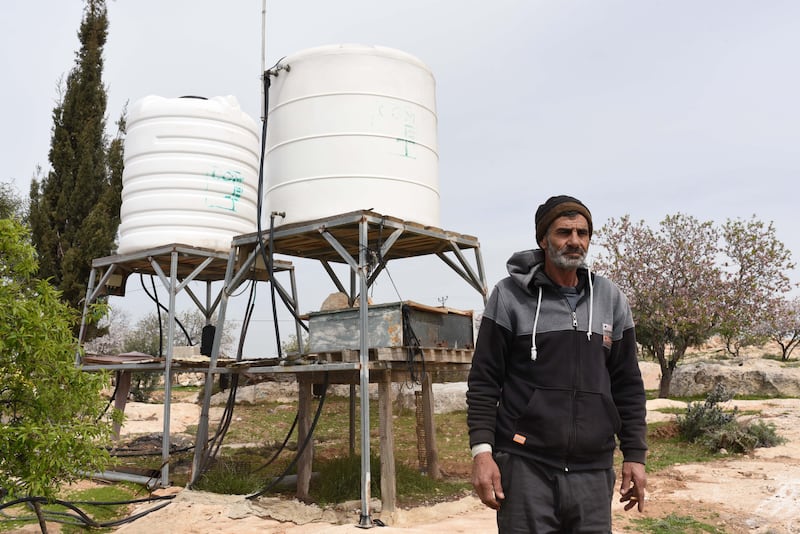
x=160 y=307
x=281 y=448
x=79 y=517
x=271 y=268
x=215 y=442
x=300 y=449
x=413 y=348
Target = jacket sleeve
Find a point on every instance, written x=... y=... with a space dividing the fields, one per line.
x=486 y=376
x=627 y=388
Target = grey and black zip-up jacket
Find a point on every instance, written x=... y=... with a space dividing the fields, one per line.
x=546 y=385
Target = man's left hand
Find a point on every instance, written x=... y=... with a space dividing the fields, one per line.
x=634 y=483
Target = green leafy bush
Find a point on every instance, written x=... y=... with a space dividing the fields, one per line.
x=709 y=425
x=52 y=427
x=765 y=434
x=706 y=417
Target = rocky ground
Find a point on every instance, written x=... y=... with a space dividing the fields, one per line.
x=759 y=493
x=753 y=494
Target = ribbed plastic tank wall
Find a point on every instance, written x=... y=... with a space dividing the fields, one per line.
x=352 y=127
x=191 y=173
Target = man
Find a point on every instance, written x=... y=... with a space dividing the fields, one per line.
x=554 y=379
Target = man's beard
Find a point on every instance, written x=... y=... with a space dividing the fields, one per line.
x=560 y=258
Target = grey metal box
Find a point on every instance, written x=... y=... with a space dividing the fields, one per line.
x=391 y=325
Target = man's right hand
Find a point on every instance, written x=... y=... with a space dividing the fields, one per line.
x=486 y=480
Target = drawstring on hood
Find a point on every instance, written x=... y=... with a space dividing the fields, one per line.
x=591 y=303
x=535 y=322
x=526 y=267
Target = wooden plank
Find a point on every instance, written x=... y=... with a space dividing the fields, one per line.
x=432 y=459
x=430 y=355
x=352 y=425
x=121 y=398
x=386 y=431
x=304 y=463
x=397 y=355
x=133 y=357
x=391 y=354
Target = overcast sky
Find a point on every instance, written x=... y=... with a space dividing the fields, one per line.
x=637 y=107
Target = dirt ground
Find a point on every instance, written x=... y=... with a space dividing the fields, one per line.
x=758 y=494
x=753 y=494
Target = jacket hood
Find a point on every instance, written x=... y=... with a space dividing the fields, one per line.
x=522 y=266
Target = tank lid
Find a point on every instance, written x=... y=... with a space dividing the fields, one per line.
x=354 y=48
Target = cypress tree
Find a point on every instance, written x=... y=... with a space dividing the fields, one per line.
x=74 y=210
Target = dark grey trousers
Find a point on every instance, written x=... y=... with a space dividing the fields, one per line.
x=544 y=500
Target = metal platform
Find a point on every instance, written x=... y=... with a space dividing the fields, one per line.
x=381 y=238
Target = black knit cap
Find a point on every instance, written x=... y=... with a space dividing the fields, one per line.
x=553 y=208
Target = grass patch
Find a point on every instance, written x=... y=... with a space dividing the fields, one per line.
x=230 y=476
x=666 y=448
x=103 y=504
x=793 y=360
x=674 y=524
x=264 y=427
x=675 y=410
x=340 y=480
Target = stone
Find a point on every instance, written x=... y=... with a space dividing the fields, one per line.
x=750 y=376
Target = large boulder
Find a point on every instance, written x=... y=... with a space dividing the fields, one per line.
x=754 y=376
x=651 y=374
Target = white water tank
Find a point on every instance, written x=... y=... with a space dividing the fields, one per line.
x=191 y=173
x=352 y=127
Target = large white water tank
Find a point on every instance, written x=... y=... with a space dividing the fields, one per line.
x=352 y=127
x=191 y=173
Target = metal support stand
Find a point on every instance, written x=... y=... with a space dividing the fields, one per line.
x=364 y=235
x=185 y=264
x=366 y=479
x=173 y=291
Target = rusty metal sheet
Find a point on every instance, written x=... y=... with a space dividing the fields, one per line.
x=391 y=325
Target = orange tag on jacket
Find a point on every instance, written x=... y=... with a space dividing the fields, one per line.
x=519 y=438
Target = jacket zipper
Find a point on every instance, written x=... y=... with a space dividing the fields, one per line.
x=573 y=431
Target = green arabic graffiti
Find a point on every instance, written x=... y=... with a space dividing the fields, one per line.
x=227 y=201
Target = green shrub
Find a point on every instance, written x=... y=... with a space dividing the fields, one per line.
x=765 y=434
x=708 y=425
x=707 y=417
x=732 y=437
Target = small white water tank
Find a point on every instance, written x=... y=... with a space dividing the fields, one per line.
x=191 y=174
x=352 y=127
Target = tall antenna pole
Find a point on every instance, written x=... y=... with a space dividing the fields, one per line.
x=263 y=54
